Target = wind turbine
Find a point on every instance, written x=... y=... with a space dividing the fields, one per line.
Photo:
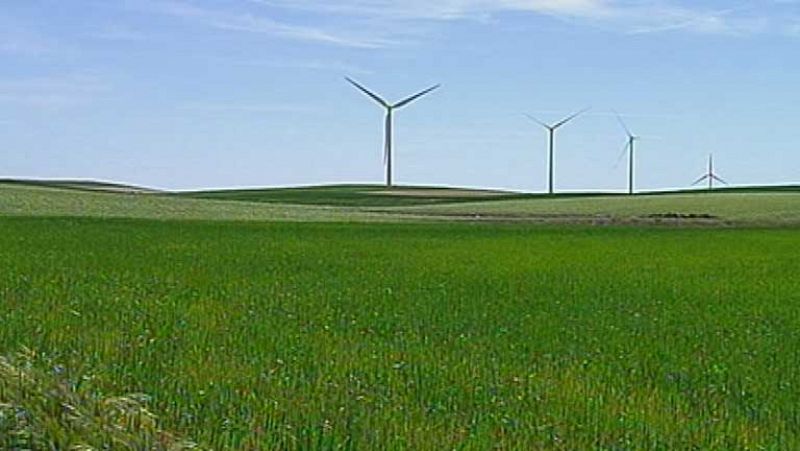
x=710 y=176
x=388 y=145
x=551 y=143
x=631 y=148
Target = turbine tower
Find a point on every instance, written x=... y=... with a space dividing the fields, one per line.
x=551 y=144
x=390 y=108
x=630 y=147
x=710 y=176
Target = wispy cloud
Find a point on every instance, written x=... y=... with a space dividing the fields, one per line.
x=246 y=108
x=52 y=93
x=445 y=9
x=372 y=24
x=119 y=32
x=309 y=65
x=793 y=26
x=633 y=16
x=16 y=39
x=660 y=19
x=259 y=23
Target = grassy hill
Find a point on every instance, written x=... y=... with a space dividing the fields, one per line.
x=355 y=195
x=81 y=185
x=768 y=206
x=35 y=200
x=733 y=207
x=380 y=196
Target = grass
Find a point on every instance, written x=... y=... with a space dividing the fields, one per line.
x=79 y=185
x=371 y=196
x=426 y=336
x=738 y=208
x=775 y=206
x=27 y=200
x=354 y=195
x=41 y=407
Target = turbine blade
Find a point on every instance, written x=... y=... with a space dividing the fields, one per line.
x=701 y=179
x=622 y=155
x=719 y=180
x=405 y=102
x=624 y=126
x=537 y=121
x=369 y=93
x=571 y=118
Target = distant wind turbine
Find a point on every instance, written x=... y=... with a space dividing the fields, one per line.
x=630 y=147
x=551 y=144
x=710 y=176
x=388 y=144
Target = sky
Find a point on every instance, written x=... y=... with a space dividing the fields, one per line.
x=190 y=94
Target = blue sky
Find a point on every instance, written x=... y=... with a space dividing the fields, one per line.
x=220 y=93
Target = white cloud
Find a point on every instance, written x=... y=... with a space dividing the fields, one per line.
x=636 y=16
x=444 y=9
x=18 y=40
x=52 y=93
x=247 y=108
x=119 y=33
x=660 y=18
x=373 y=24
x=310 y=65
x=247 y=21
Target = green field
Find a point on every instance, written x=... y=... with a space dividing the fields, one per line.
x=355 y=195
x=36 y=200
x=759 y=208
x=421 y=318
x=768 y=206
x=418 y=336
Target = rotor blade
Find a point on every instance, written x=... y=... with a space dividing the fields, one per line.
x=701 y=179
x=622 y=155
x=571 y=118
x=366 y=91
x=415 y=97
x=719 y=180
x=624 y=126
x=537 y=121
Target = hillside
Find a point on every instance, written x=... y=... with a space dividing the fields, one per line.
x=34 y=200
x=723 y=207
x=81 y=185
x=769 y=206
x=356 y=195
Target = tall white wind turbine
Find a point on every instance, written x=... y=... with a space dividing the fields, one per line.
x=389 y=124
x=710 y=176
x=551 y=128
x=630 y=147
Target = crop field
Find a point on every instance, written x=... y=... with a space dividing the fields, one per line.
x=763 y=207
x=756 y=208
x=355 y=195
x=35 y=200
x=248 y=335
